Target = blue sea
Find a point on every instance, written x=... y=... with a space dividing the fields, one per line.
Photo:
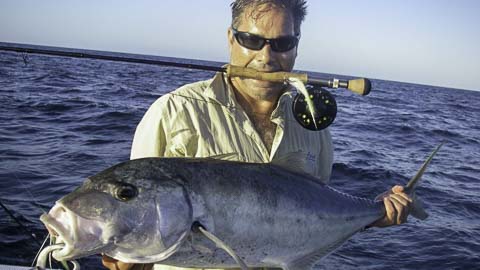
x=63 y=119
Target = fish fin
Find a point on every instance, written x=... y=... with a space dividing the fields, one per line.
x=307 y=261
x=220 y=244
x=294 y=161
x=412 y=184
x=229 y=156
x=418 y=210
x=382 y=195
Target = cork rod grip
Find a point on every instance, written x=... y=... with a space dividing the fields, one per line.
x=250 y=73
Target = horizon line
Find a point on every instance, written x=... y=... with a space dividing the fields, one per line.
x=15 y=44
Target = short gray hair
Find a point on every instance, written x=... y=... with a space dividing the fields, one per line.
x=298 y=9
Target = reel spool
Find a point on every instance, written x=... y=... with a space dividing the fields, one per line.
x=324 y=104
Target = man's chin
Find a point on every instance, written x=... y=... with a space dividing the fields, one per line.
x=262 y=90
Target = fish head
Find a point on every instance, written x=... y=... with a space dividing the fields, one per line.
x=135 y=212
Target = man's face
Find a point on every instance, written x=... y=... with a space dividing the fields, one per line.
x=268 y=22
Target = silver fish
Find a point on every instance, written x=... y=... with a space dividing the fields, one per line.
x=142 y=211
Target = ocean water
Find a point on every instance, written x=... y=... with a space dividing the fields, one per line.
x=63 y=119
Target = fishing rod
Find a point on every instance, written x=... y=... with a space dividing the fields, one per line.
x=360 y=86
x=26 y=230
x=314 y=109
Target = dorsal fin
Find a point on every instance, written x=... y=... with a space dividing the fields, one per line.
x=410 y=187
x=294 y=161
x=227 y=157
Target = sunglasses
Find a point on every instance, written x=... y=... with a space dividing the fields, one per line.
x=256 y=43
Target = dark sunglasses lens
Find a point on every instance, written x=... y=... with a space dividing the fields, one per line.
x=283 y=44
x=250 y=41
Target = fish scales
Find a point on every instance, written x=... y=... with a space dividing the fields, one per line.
x=264 y=212
x=208 y=213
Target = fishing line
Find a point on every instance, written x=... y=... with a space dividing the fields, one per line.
x=26 y=230
x=35 y=202
x=40 y=250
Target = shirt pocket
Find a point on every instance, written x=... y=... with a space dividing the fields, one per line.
x=183 y=143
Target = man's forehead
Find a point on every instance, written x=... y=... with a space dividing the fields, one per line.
x=267 y=16
x=256 y=12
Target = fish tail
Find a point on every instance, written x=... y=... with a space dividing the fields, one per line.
x=418 y=210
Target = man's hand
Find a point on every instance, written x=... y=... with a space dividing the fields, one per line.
x=397 y=207
x=113 y=264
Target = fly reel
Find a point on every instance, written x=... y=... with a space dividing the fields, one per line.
x=324 y=105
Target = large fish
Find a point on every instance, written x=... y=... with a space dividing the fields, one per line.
x=258 y=215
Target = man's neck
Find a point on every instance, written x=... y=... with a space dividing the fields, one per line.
x=255 y=106
x=259 y=110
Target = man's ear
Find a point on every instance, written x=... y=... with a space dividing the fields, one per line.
x=296 y=50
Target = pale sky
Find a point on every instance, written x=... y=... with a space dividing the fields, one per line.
x=435 y=42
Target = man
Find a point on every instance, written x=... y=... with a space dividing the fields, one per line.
x=249 y=120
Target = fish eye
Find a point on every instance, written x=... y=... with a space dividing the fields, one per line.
x=125 y=192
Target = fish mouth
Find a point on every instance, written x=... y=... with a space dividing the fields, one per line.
x=79 y=236
x=61 y=235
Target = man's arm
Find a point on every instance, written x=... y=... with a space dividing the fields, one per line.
x=150 y=140
x=324 y=169
x=112 y=264
x=150 y=137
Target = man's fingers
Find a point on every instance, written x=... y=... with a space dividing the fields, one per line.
x=113 y=264
x=397 y=206
x=400 y=209
x=390 y=210
x=398 y=189
x=405 y=196
x=107 y=261
x=405 y=211
x=400 y=199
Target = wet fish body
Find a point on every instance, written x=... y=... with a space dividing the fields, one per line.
x=142 y=211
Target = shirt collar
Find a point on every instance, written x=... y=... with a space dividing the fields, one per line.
x=220 y=90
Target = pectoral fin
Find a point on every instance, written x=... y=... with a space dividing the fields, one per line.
x=197 y=227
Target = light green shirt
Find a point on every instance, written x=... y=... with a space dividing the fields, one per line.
x=203 y=119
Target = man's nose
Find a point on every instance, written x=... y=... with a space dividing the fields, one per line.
x=266 y=53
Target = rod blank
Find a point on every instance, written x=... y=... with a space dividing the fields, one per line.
x=359 y=86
